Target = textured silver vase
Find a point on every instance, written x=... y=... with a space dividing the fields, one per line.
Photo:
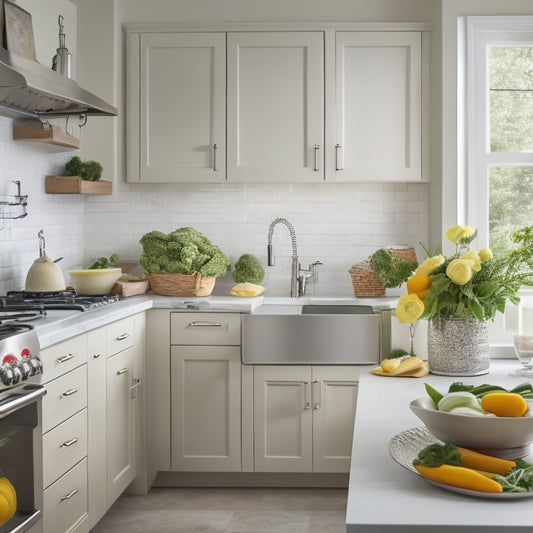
x=458 y=347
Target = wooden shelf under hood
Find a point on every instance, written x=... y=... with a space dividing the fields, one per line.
x=52 y=135
x=75 y=185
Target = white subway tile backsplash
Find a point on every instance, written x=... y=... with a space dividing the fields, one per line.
x=337 y=223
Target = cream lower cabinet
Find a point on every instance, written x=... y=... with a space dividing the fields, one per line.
x=303 y=417
x=120 y=450
x=206 y=408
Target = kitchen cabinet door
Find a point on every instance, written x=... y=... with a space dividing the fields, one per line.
x=176 y=107
x=97 y=428
x=378 y=100
x=275 y=106
x=120 y=449
x=206 y=408
x=283 y=419
x=334 y=393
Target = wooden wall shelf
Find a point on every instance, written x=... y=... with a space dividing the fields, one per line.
x=75 y=185
x=53 y=135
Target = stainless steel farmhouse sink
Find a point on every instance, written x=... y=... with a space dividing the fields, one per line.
x=313 y=334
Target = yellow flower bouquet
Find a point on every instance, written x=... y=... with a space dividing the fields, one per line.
x=470 y=283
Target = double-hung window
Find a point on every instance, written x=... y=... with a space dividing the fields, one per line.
x=498 y=180
x=499 y=105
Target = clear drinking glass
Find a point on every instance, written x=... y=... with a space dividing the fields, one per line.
x=523 y=346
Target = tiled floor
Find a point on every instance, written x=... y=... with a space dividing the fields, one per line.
x=235 y=510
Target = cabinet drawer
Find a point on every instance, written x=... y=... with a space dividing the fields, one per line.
x=65 y=502
x=119 y=336
x=64 y=446
x=205 y=329
x=64 y=397
x=63 y=357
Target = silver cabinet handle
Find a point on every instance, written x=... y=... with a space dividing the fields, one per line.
x=69 y=443
x=215 y=148
x=337 y=148
x=123 y=336
x=307 y=404
x=135 y=383
x=70 y=494
x=317 y=148
x=204 y=324
x=123 y=371
x=65 y=358
x=69 y=392
x=317 y=398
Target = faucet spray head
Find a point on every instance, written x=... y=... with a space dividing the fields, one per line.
x=270 y=258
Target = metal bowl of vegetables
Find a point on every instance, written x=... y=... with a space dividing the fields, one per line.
x=489 y=418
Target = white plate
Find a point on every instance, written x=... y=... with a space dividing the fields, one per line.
x=404 y=447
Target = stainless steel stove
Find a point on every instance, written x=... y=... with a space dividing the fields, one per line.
x=67 y=299
x=20 y=417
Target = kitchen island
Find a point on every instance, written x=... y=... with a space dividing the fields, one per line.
x=383 y=497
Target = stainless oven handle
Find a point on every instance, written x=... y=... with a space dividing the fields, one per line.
x=21 y=401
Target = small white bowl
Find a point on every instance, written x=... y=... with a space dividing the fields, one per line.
x=97 y=281
x=508 y=437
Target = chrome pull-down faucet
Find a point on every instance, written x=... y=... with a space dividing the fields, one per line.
x=299 y=277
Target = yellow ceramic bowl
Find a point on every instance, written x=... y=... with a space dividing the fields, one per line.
x=98 y=281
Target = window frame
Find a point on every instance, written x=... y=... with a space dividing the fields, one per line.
x=482 y=31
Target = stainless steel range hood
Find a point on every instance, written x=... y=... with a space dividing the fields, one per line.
x=28 y=88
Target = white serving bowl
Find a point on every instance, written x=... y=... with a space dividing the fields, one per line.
x=97 y=281
x=508 y=437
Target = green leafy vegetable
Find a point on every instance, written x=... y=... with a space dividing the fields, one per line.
x=434 y=394
x=104 y=262
x=182 y=251
x=88 y=170
x=438 y=454
x=248 y=268
x=519 y=479
x=397 y=352
x=458 y=386
x=393 y=271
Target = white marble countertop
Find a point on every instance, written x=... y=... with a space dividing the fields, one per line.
x=386 y=498
x=63 y=324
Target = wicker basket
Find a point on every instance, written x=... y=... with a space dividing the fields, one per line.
x=366 y=281
x=181 y=284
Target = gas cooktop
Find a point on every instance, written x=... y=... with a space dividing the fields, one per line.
x=67 y=299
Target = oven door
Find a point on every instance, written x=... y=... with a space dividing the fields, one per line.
x=21 y=455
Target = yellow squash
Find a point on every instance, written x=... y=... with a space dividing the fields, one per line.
x=8 y=500
x=459 y=476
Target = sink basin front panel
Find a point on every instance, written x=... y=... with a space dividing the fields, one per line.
x=311 y=339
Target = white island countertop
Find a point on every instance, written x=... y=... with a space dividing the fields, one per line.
x=384 y=497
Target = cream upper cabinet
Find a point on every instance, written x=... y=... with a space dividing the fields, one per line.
x=176 y=107
x=275 y=106
x=378 y=107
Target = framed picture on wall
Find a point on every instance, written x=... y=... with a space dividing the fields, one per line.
x=18 y=30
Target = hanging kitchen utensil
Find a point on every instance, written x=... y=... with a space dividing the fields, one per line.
x=44 y=275
x=62 y=60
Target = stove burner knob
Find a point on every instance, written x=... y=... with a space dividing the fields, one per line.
x=6 y=375
x=9 y=359
x=17 y=375
x=25 y=368
x=36 y=366
x=24 y=352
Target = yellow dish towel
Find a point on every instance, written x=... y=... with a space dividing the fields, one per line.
x=411 y=367
x=247 y=290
